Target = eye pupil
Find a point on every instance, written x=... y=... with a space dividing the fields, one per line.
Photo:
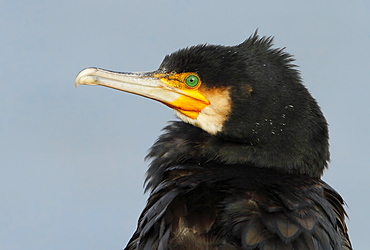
x=192 y=80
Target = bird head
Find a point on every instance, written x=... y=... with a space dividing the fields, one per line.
x=249 y=94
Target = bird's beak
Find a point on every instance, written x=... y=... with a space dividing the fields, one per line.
x=148 y=84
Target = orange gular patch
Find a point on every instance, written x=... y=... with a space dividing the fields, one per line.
x=190 y=106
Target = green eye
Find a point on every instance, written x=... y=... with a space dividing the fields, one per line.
x=192 y=80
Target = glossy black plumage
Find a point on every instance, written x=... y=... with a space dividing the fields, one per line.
x=256 y=183
x=226 y=202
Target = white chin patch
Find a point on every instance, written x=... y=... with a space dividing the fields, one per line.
x=211 y=119
x=205 y=122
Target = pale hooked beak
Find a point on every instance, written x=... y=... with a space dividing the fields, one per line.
x=147 y=84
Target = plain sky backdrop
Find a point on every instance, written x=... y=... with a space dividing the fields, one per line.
x=72 y=160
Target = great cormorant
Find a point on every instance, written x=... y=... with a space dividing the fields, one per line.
x=242 y=169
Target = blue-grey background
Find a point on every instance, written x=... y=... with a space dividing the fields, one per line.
x=71 y=160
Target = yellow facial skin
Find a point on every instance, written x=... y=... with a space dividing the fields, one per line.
x=192 y=102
